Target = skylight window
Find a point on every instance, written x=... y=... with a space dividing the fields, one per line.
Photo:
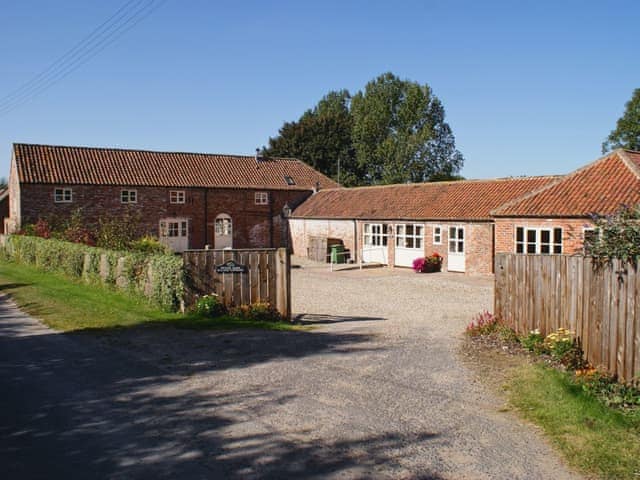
x=289 y=180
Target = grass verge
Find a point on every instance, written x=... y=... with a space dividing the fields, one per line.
x=594 y=438
x=66 y=305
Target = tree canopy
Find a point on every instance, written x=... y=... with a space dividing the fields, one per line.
x=392 y=132
x=627 y=131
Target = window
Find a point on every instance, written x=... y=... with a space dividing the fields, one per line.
x=544 y=241
x=409 y=236
x=437 y=235
x=129 y=196
x=456 y=239
x=262 y=198
x=589 y=235
x=289 y=180
x=375 y=234
x=176 y=196
x=223 y=225
x=63 y=195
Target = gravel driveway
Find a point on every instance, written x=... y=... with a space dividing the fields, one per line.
x=375 y=390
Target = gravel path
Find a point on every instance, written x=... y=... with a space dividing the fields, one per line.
x=374 y=391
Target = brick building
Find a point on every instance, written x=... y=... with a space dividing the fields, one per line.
x=556 y=218
x=467 y=222
x=188 y=200
x=395 y=224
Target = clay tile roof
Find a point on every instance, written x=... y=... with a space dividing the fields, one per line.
x=110 y=166
x=601 y=187
x=461 y=200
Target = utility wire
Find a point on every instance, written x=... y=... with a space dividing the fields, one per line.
x=107 y=33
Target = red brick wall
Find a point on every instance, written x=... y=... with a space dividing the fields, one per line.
x=254 y=225
x=572 y=232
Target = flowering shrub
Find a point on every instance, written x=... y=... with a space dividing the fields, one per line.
x=260 y=312
x=483 y=323
x=534 y=341
x=559 y=342
x=209 y=306
x=432 y=263
x=418 y=264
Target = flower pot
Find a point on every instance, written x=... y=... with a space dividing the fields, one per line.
x=431 y=267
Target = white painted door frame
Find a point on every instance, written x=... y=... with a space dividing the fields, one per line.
x=223 y=232
x=375 y=238
x=456 y=261
x=409 y=243
x=174 y=233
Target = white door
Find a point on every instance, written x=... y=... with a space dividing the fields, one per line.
x=409 y=244
x=174 y=233
x=374 y=243
x=455 y=262
x=223 y=233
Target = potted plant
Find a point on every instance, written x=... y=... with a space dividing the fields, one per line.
x=432 y=263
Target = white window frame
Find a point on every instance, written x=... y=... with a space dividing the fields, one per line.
x=126 y=197
x=174 y=228
x=62 y=195
x=261 y=198
x=375 y=234
x=177 y=196
x=415 y=239
x=457 y=244
x=223 y=225
x=437 y=237
x=553 y=247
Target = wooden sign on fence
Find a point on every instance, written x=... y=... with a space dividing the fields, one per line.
x=240 y=277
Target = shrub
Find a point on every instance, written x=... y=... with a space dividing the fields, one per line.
x=418 y=264
x=533 y=342
x=559 y=342
x=160 y=278
x=117 y=233
x=259 y=312
x=483 y=323
x=209 y=306
x=42 y=228
x=149 y=244
x=608 y=390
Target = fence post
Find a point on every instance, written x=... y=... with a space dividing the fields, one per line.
x=283 y=276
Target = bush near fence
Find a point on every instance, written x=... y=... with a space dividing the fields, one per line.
x=159 y=278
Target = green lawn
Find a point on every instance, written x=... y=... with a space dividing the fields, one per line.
x=68 y=305
x=596 y=439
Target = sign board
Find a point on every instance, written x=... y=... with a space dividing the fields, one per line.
x=231 y=267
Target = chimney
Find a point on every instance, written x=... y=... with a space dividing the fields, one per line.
x=258 y=156
x=316 y=187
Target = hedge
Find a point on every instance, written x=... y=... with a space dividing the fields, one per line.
x=159 y=278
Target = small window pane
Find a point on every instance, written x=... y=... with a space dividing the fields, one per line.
x=531 y=236
x=557 y=235
x=519 y=234
x=545 y=236
x=409 y=242
x=531 y=248
x=519 y=248
x=545 y=248
x=460 y=247
x=418 y=242
x=452 y=232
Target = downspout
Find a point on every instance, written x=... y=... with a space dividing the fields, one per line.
x=206 y=215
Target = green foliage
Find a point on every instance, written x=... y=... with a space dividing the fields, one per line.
x=209 y=306
x=392 y=132
x=627 y=131
x=533 y=342
x=602 y=441
x=260 y=312
x=399 y=132
x=322 y=138
x=148 y=244
x=117 y=232
x=610 y=392
x=619 y=236
x=157 y=277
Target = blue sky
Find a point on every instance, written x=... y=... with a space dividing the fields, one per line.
x=529 y=88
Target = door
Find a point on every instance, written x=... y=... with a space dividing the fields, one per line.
x=174 y=233
x=374 y=243
x=409 y=244
x=223 y=232
x=455 y=259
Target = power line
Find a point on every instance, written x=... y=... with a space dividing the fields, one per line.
x=123 y=20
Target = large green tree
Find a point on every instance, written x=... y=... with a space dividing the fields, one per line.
x=392 y=132
x=322 y=138
x=399 y=133
x=627 y=131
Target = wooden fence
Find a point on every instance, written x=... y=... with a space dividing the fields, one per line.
x=601 y=305
x=260 y=276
